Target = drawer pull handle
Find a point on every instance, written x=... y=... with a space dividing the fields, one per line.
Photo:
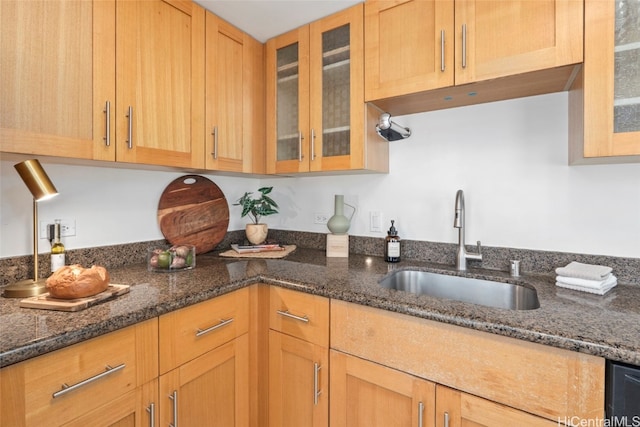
x=174 y=399
x=214 y=133
x=316 y=375
x=464 y=45
x=129 y=116
x=107 y=134
x=151 y=409
x=222 y=323
x=446 y=419
x=442 y=50
x=286 y=313
x=68 y=388
x=420 y=413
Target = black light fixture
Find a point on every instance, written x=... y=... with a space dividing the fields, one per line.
x=41 y=187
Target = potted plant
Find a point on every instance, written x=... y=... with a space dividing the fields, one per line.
x=256 y=208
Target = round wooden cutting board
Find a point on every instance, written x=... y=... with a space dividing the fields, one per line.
x=193 y=211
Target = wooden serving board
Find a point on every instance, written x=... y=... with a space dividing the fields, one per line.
x=193 y=211
x=47 y=302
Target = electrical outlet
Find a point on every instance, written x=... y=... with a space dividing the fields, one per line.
x=67 y=228
x=375 y=221
x=320 y=218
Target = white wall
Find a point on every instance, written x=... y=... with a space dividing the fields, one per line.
x=509 y=157
x=110 y=205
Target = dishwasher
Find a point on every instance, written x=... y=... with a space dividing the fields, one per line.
x=622 y=394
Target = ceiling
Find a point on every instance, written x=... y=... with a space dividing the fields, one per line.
x=264 y=19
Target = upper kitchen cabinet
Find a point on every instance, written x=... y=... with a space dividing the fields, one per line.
x=604 y=103
x=315 y=100
x=234 y=99
x=58 y=78
x=421 y=54
x=160 y=83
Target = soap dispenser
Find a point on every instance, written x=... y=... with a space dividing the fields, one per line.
x=392 y=245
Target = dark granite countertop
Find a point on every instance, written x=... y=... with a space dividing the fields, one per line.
x=606 y=326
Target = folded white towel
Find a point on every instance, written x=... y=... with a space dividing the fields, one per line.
x=600 y=291
x=593 y=284
x=584 y=271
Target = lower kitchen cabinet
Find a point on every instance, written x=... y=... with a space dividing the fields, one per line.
x=366 y=394
x=134 y=409
x=298 y=382
x=455 y=408
x=83 y=382
x=211 y=390
x=491 y=378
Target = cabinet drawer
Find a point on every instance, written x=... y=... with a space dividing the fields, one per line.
x=71 y=382
x=546 y=381
x=300 y=315
x=190 y=332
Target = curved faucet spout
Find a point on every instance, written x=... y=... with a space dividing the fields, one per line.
x=458 y=222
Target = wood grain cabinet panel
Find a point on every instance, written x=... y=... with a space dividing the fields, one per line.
x=423 y=55
x=59 y=387
x=234 y=72
x=57 y=66
x=604 y=102
x=541 y=380
x=365 y=394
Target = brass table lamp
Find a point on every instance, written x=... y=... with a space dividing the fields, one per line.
x=41 y=188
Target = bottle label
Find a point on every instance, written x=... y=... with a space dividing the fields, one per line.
x=57 y=261
x=393 y=249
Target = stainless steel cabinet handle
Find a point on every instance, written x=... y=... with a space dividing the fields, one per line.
x=441 y=50
x=215 y=142
x=286 y=313
x=222 y=323
x=130 y=130
x=300 y=138
x=420 y=413
x=313 y=144
x=446 y=419
x=151 y=409
x=316 y=374
x=174 y=399
x=68 y=388
x=464 y=45
x=107 y=118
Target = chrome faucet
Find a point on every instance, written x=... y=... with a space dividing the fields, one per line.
x=461 y=254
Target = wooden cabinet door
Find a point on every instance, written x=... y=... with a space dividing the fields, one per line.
x=502 y=38
x=337 y=92
x=365 y=394
x=135 y=409
x=287 y=88
x=605 y=121
x=408 y=46
x=456 y=409
x=298 y=382
x=212 y=390
x=234 y=98
x=160 y=83
x=57 y=67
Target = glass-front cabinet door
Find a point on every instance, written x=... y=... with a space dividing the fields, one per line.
x=612 y=78
x=337 y=91
x=315 y=100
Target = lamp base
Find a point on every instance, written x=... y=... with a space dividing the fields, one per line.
x=25 y=288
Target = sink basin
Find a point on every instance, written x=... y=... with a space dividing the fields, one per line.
x=465 y=289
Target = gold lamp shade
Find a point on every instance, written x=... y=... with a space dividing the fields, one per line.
x=42 y=188
x=36 y=179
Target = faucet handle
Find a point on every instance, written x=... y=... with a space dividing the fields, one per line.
x=479 y=245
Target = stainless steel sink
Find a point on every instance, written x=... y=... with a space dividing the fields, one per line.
x=465 y=289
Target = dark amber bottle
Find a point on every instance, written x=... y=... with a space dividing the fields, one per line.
x=392 y=244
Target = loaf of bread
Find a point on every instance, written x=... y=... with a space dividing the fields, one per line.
x=73 y=281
